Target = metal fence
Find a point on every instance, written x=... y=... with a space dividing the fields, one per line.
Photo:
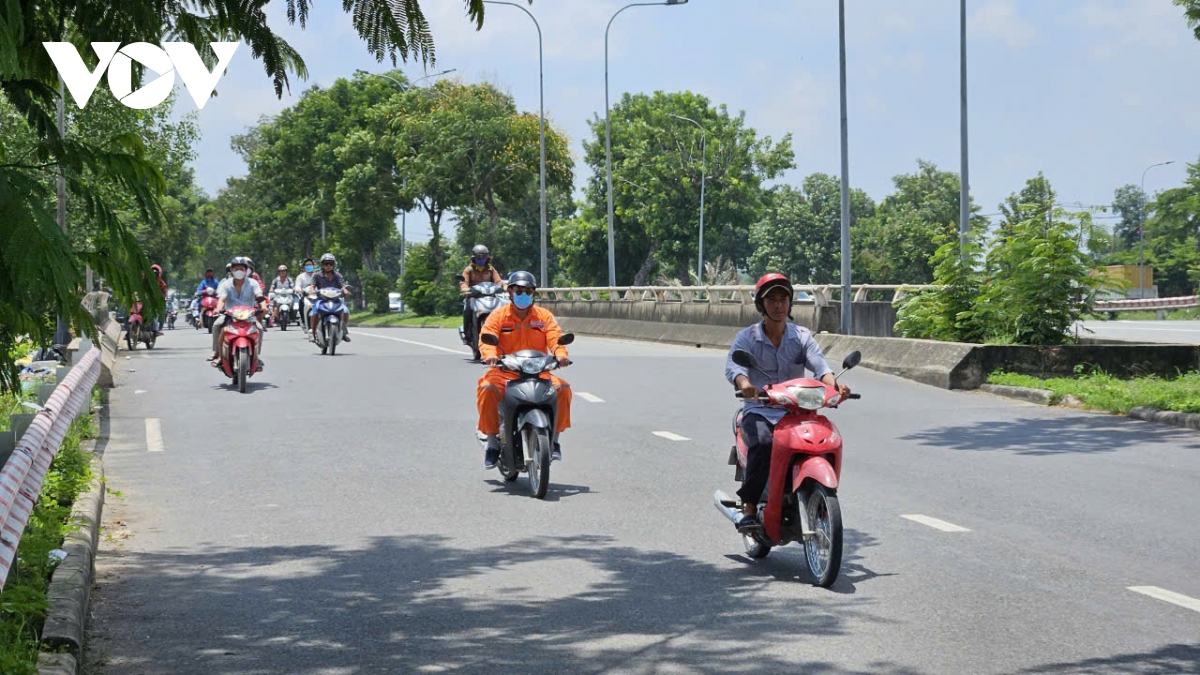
x=22 y=475
x=1147 y=304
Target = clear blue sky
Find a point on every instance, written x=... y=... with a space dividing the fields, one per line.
x=1088 y=91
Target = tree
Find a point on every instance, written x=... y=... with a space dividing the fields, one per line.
x=949 y=313
x=1173 y=236
x=800 y=233
x=656 y=166
x=897 y=244
x=1191 y=10
x=1129 y=203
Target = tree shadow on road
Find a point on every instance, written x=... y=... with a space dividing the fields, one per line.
x=1073 y=434
x=788 y=564
x=1176 y=659
x=419 y=604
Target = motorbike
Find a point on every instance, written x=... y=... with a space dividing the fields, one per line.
x=329 y=307
x=483 y=299
x=171 y=314
x=528 y=416
x=136 y=330
x=284 y=302
x=208 y=307
x=240 y=342
x=800 y=503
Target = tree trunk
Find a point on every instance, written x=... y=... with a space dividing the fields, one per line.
x=489 y=203
x=639 y=279
x=681 y=270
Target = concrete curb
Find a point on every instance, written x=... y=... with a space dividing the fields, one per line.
x=1170 y=417
x=71 y=584
x=1038 y=396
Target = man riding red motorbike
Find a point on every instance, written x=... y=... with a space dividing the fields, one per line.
x=782 y=352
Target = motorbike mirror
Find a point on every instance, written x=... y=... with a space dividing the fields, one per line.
x=490 y=339
x=852 y=359
x=459 y=278
x=744 y=359
x=566 y=339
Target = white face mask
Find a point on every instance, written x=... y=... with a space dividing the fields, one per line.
x=239 y=274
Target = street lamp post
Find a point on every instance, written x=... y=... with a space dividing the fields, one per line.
x=703 y=175
x=1142 y=231
x=847 y=305
x=541 y=132
x=964 y=197
x=612 y=265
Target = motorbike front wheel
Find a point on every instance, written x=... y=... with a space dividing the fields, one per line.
x=283 y=320
x=823 y=551
x=242 y=370
x=538 y=443
x=132 y=336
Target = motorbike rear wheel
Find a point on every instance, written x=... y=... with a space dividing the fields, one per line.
x=824 y=550
x=242 y=369
x=538 y=443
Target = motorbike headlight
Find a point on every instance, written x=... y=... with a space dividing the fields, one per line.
x=231 y=330
x=532 y=366
x=809 y=398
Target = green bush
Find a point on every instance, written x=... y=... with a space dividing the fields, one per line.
x=1102 y=391
x=424 y=294
x=376 y=287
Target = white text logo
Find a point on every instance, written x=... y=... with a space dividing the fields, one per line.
x=172 y=57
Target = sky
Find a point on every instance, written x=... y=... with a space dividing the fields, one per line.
x=1090 y=92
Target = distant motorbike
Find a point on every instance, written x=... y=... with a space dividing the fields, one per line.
x=171 y=314
x=284 y=302
x=136 y=330
x=528 y=416
x=240 y=343
x=800 y=502
x=482 y=299
x=329 y=307
x=208 y=308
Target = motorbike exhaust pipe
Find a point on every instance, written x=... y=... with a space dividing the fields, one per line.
x=726 y=505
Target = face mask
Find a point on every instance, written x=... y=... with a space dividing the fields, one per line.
x=522 y=301
x=239 y=274
x=479 y=261
x=308 y=268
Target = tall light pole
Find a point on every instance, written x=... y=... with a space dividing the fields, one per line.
x=612 y=264
x=964 y=197
x=541 y=131
x=1142 y=230
x=847 y=305
x=703 y=175
x=62 y=330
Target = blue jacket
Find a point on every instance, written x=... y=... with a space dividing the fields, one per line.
x=206 y=283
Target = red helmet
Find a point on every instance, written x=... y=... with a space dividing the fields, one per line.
x=764 y=286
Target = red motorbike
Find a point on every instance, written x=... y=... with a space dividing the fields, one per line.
x=208 y=309
x=240 y=341
x=136 y=330
x=800 y=502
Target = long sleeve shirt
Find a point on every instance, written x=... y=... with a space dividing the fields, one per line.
x=797 y=352
x=538 y=330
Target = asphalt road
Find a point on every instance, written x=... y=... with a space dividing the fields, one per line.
x=1174 y=332
x=336 y=520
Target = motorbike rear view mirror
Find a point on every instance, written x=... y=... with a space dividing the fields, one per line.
x=744 y=359
x=566 y=339
x=490 y=339
x=459 y=278
x=852 y=359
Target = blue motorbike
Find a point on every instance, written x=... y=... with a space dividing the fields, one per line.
x=329 y=308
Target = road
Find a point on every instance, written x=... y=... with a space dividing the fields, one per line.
x=336 y=520
x=1175 y=332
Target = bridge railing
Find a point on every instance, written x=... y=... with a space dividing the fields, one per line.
x=820 y=295
x=1147 y=304
x=23 y=473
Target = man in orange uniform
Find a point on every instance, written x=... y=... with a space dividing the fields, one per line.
x=518 y=325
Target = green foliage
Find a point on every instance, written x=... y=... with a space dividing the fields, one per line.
x=1129 y=203
x=948 y=313
x=376 y=287
x=1191 y=10
x=405 y=319
x=23 y=603
x=1102 y=391
x=424 y=293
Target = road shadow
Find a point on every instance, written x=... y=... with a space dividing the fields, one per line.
x=420 y=604
x=1176 y=659
x=788 y=564
x=554 y=493
x=1075 y=434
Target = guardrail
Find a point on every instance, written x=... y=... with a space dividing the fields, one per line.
x=821 y=296
x=22 y=475
x=1147 y=303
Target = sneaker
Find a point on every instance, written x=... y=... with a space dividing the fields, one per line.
x=490 y=457
x=748 y=524
x=556 y=453
x=261 y=365
x=346 y=338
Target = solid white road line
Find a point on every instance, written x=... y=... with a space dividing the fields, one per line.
x=154 y=441
x=413 y=342
x=1168 y=596
x=592 y=398
x=670 y=436
x=935 y=523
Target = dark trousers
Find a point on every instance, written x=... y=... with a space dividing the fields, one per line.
x=468 y=316
x=756 y=434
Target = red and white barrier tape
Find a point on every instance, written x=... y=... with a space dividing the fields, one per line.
x=22 y=475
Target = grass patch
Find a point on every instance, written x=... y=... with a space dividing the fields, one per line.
x=403 y=319
x=23 y=603
x=1101 y=391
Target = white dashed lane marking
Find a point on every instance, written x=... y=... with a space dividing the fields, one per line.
x=154 y=439
x=670 y=436
x=412 y=342
x=592 y=398
x=1168 y=596
x=935 y=523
